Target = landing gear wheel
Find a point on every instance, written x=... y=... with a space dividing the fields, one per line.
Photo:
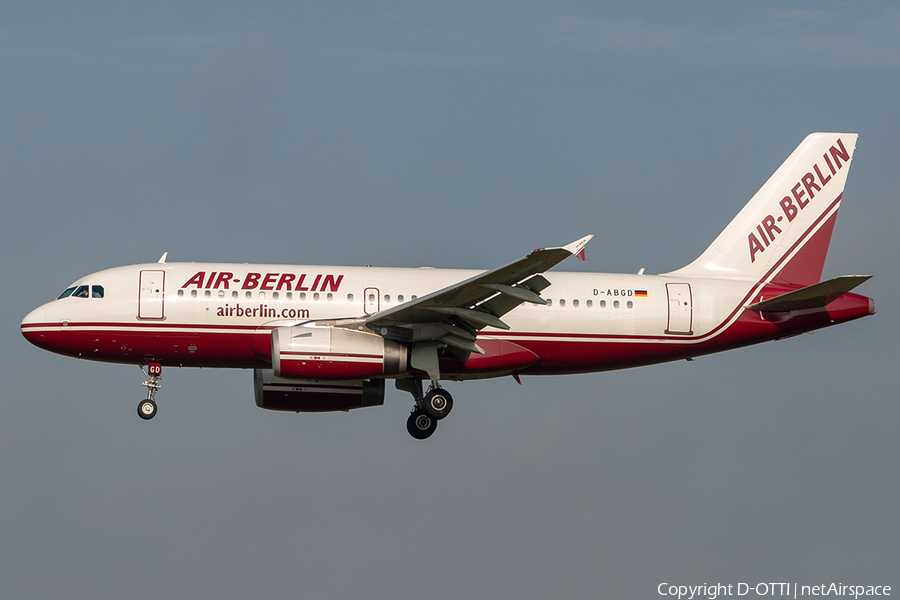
x=438 y=403
x=147 y=409
x=420 y=425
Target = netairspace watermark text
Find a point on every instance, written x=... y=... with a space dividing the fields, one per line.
x=786 y=589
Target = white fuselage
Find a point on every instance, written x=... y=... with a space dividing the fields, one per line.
x=211 y=314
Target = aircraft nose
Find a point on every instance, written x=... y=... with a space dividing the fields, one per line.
x=32 y=320
x=38 y=315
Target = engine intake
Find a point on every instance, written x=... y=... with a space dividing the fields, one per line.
x=310 y=352
x=273 y=393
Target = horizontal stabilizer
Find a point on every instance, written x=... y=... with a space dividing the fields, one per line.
x=813 y=296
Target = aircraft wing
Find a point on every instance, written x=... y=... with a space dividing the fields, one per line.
x=454 y=314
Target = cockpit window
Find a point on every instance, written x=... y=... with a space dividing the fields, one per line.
x=83 y=291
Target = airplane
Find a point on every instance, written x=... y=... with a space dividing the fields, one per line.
x=326 y=338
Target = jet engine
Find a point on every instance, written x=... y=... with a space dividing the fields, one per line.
x=310 y=352
x=273 y=393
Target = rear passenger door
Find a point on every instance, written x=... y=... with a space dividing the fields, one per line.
x=680 y=309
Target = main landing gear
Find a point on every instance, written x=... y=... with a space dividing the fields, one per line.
x=428 y=409
x=147 y=408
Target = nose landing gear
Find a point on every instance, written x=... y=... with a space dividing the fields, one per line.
x=147 y=408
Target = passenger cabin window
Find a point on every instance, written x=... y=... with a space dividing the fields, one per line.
x=96 y=291
x=66 y=293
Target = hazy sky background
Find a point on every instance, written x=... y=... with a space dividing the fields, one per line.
x=449 y=135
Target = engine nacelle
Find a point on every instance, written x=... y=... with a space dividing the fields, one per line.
x=309 y=352
x=273 y=393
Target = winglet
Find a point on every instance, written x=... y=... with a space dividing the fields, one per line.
x=162 y=259
x=577 y=247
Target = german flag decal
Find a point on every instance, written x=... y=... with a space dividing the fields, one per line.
x=640 y=293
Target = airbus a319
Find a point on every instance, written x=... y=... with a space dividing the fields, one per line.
x=328 y=338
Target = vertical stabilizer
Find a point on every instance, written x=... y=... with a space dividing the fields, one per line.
x=784 y=230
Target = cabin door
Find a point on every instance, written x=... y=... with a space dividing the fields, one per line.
x=680 y=309
x=151 y=294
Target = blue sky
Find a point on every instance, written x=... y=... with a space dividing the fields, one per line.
x=449 y=135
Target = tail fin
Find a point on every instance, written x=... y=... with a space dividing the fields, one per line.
x=783 y=232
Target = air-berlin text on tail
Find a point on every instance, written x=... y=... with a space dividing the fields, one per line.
x=801 y=194
x=289 y=282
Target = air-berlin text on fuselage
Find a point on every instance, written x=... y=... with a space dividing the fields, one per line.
x=263 y=311
x=289 y=282
x=801 y=194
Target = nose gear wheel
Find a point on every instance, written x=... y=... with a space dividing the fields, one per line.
x=147 y=408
